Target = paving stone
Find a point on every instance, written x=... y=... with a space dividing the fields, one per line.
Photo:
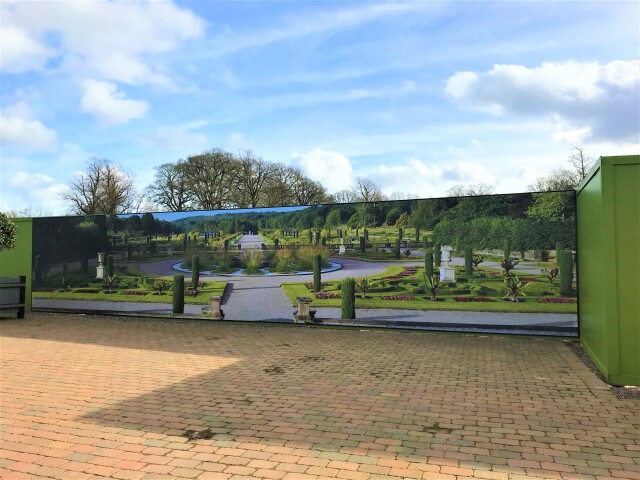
x=90 y=396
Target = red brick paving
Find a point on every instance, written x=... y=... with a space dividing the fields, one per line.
x=90 y=397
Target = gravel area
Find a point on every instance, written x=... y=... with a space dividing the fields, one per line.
x=620 y=392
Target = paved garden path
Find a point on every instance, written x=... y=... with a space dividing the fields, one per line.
x=109 y=397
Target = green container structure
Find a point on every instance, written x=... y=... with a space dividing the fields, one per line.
x=608 y=202
x=17 y=261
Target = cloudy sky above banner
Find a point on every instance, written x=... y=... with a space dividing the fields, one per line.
x=418 y=96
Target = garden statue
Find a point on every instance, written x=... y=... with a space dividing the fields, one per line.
x=342 y=250
x=447 y=274
x=101 y=268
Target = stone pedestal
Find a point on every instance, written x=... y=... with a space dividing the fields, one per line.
x=447 y=274
x=101 y=269
x=214 y=306
x=303 y=313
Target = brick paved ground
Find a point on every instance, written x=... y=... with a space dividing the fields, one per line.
x=84 y=397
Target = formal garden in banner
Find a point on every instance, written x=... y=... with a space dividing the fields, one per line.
x=496 y=253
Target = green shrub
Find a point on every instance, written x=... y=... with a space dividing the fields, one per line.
x=317 y=279
x=129 y=251
x=305 y=257
x=366 y=235
x=565 y=264
x=195 y=270
x=84 y=264
x=282 y=261
x=425 y=242
x=396 y=250
x=538 y=289
x=432 y=284
x=468 y=261
x=508 y=264
x=110 y=269
x=178 y=293
x=418 y=234
x=362 y=244
x=428 y=263
x=348 y=311
x=160 y=285
x=514 y=288
x=506 y=247
x=400 y=233
x=437 y=254
x=252 y=261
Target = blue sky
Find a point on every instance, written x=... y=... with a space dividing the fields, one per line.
x=418 y=96
x=170 y=216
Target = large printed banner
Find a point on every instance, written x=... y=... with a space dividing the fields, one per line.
x=488 y=263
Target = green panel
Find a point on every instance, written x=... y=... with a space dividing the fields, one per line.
x=608 y=204
x=17 y=261
x=626 y=199
x=592 y=281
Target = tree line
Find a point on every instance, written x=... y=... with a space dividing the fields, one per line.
x=212 y=180
x=217 y=179
x=530 y=221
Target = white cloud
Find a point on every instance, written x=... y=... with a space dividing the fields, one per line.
x=571 y=136
x=239 y=141
x=331 y=169
x=98 y=38
x=416 y=177
x=179 y=138
x=110 y=106
x=18 y=128
x=584 y=95
x=35 y=180
x=20 y=52
x=316 y=22
x=27 y=189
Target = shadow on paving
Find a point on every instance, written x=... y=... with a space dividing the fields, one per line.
x=408 y=392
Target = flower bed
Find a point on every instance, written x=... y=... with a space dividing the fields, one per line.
x=529 y=279
x=408 y=271
x=397 y=297
x=190 y=292
x=325 y=295
x=135 y=292
x=393 y=277
x=474 y=299
x=44 y=289
x=557 y=300
x=322 y=284
x=88 y=290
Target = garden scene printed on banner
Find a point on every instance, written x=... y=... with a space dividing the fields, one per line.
x=493 y=261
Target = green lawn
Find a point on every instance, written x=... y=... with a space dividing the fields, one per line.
x=210 y=288
x=485 y=284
